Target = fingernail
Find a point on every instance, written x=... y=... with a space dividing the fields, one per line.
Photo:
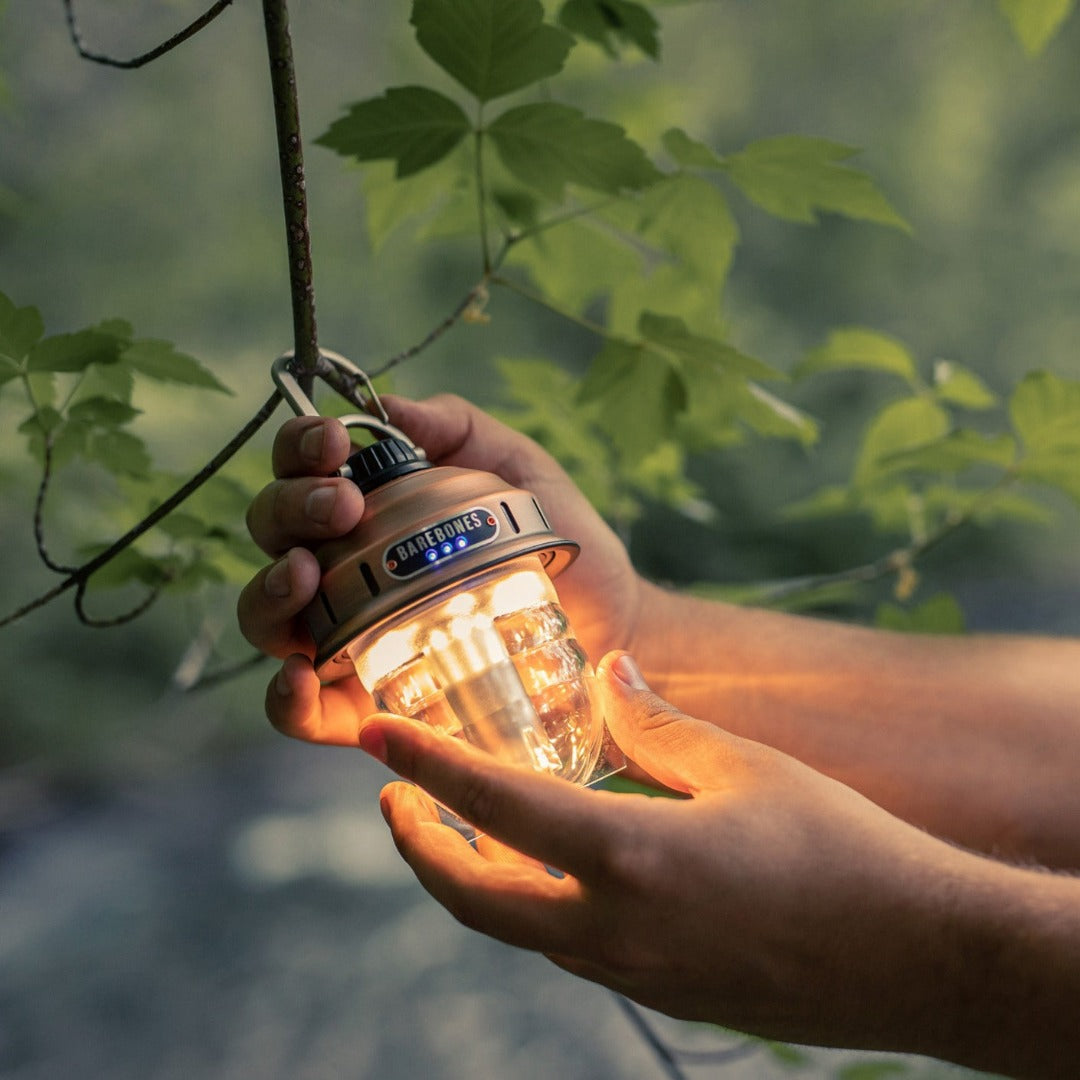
x=276 y=581
x=282 y=684
x=320 y=503
x=312 y=441
x=373 y=742
x=384 y=807
x=626 y=671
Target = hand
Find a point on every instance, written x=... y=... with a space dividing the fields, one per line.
x=773 y=900
x=600 y=591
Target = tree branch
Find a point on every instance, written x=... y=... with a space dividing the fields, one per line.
x=78 y=577
x=293 y=187
x=190 y=30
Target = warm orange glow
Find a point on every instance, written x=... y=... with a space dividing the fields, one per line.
x=496 y=664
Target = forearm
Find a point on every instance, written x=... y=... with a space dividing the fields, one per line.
x=974 y=738
x=1001 y=991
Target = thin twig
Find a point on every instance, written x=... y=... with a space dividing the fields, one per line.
x=293 y=187
x=896 y=561
x=115 y=620
x=226 y=674
x=190 y=30
x=466 y=302
x=39 y=510
x=662 y=1051
x=81 y=575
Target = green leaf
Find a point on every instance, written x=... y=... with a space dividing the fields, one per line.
x=688 y=152
x=411 y=125
x=576 y=262
x=610 y=22
x=74 y=352
x=103 y=412
x=44 y=419
x=638 y=394
x=673 y=288
x=688 y=217
x=1035 y=22
x=956 y=451
x=20 y=329
x=901 y=425
x=119 y=452
x=855 y=347
x=958 y=386
x=112 y=381
x=160 y=360
x=1045 y=412
x=548 y=146
x=831 y=501
x=390 y=202
x=669 y=333
x=491 y=47
x=796 y=177
x=940 y=614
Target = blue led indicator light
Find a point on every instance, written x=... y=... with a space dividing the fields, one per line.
x=461 y=542
x=431 y=554
x=446 y=549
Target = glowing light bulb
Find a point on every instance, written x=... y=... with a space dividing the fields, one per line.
x=496 y=665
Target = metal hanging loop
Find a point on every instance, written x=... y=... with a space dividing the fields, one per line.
x=376 y=422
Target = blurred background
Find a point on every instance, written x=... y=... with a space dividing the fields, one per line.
x=183 y=892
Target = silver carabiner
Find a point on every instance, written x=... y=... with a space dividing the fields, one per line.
x=378 y=423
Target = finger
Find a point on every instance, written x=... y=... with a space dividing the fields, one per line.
x=269 y=604
x=453 y=431
x=682 y=753
x=299 y=706
x=518 y=903
x=291 y=512
x=487 y=846
x=551 y=820
x=310 y=446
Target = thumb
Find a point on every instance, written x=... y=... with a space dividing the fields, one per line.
x=682 y=753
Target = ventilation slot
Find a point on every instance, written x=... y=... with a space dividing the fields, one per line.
x=369 y=579
x=510 y=517
x=541 y=513
x=327 y=608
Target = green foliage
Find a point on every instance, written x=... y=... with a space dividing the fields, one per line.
x=77 y=388
x=412 y=125
x=548 y=146
x=854 y=347
x=491 y=47
x=796 y=178
x=1035 y=22
x=611 y=23
x=939 y=614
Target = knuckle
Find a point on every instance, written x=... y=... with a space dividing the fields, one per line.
x=618 y=860
x=479 y=802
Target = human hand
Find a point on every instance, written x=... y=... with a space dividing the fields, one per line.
x=304 y=505
x=773 y=899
